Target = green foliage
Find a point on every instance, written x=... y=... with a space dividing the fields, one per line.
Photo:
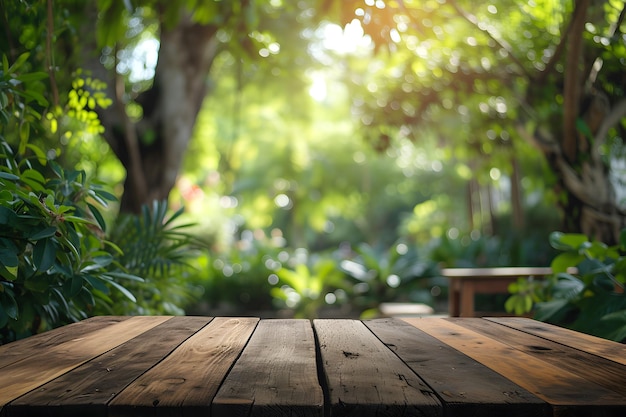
x=53 y=264
x=310 y=283
x=156 y=246
x=21 y=97
x=236 y=279
x=592 y=300
x=397 y=273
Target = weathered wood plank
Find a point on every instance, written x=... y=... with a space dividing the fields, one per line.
x=591 y=344
x=276 y=374
x=466 y=387
x=29 y=373
x=88 y=388
x=186 y=381
x=601 y=371
x=566 y=392
x=14 y=351
x=365 y=378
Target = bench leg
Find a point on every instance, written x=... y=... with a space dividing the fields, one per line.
x=467 y=299
x=454 y=297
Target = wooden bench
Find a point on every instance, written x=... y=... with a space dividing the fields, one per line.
x=465 y=283
x=227 y=366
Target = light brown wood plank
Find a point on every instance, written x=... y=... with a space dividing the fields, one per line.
x=14 y=351
x=190 y=376
x=365 y=378
x=564 y=391
x=465 y=386
x=276 y=374
x=29 y=373
x=601 y=371
x=86 y=390
x=605 y=348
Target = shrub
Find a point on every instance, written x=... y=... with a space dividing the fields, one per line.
x=592 y=300
x=53 y=264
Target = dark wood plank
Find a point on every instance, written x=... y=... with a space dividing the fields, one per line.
x=566 y=392
x=365 y=378
x=466 y=387
x=591 y=344
x=276 y=374
x=88 y=388
x=186 y=381
x=601 y=371
x=14 y=351
x=29 y=373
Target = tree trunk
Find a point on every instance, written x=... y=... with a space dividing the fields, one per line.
x=575 y=151
x=170 y=110
x=152 y=149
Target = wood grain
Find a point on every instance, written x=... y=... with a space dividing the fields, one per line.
x=466 y=387
x=88 y=388
x=276 y=374
x=187 y=380
x=364 y=378
x=605 y=348
x=599 y=370
x=19 y=349
x=564 y=391
x=31 y=372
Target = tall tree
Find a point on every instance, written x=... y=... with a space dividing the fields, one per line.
x=486 y=74
x=151 y=124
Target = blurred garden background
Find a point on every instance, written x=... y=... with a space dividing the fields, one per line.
x=311 y=157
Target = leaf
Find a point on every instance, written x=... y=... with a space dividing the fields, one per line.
x=565 y=260
x=551 y=310
x=41 y=155
x=72 y=286
x=125 y=276
x=32 y=76
x=7 y=216
x=9 y=305
x=37 y=283
x=18 y=63
x=615 y=323
x=9 y=176
x=44 y=233
x=33 y=179
x=123 y=290
x=96 y=214
x=8 y=257
x=44 y=254
x=568 y=287
x=24 y=132
x=570 y=241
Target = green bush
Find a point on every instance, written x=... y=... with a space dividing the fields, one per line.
x=236 y=279
x=54 y=266
x=399 y=273
x=160 y=249
x=592 y=300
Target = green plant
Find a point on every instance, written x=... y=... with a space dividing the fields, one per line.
x=53 y=264
x=157 y=247
x=392 y=274
x=592 y=300
x=309 y=283
x=236 y=278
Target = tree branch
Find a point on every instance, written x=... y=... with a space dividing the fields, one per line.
x=501 y=42
x=134 y=167
x=50 y=30
x=597 y=65
x=613 y=118
x=572 y=82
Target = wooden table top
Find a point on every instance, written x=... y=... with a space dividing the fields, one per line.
x=224 y=366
